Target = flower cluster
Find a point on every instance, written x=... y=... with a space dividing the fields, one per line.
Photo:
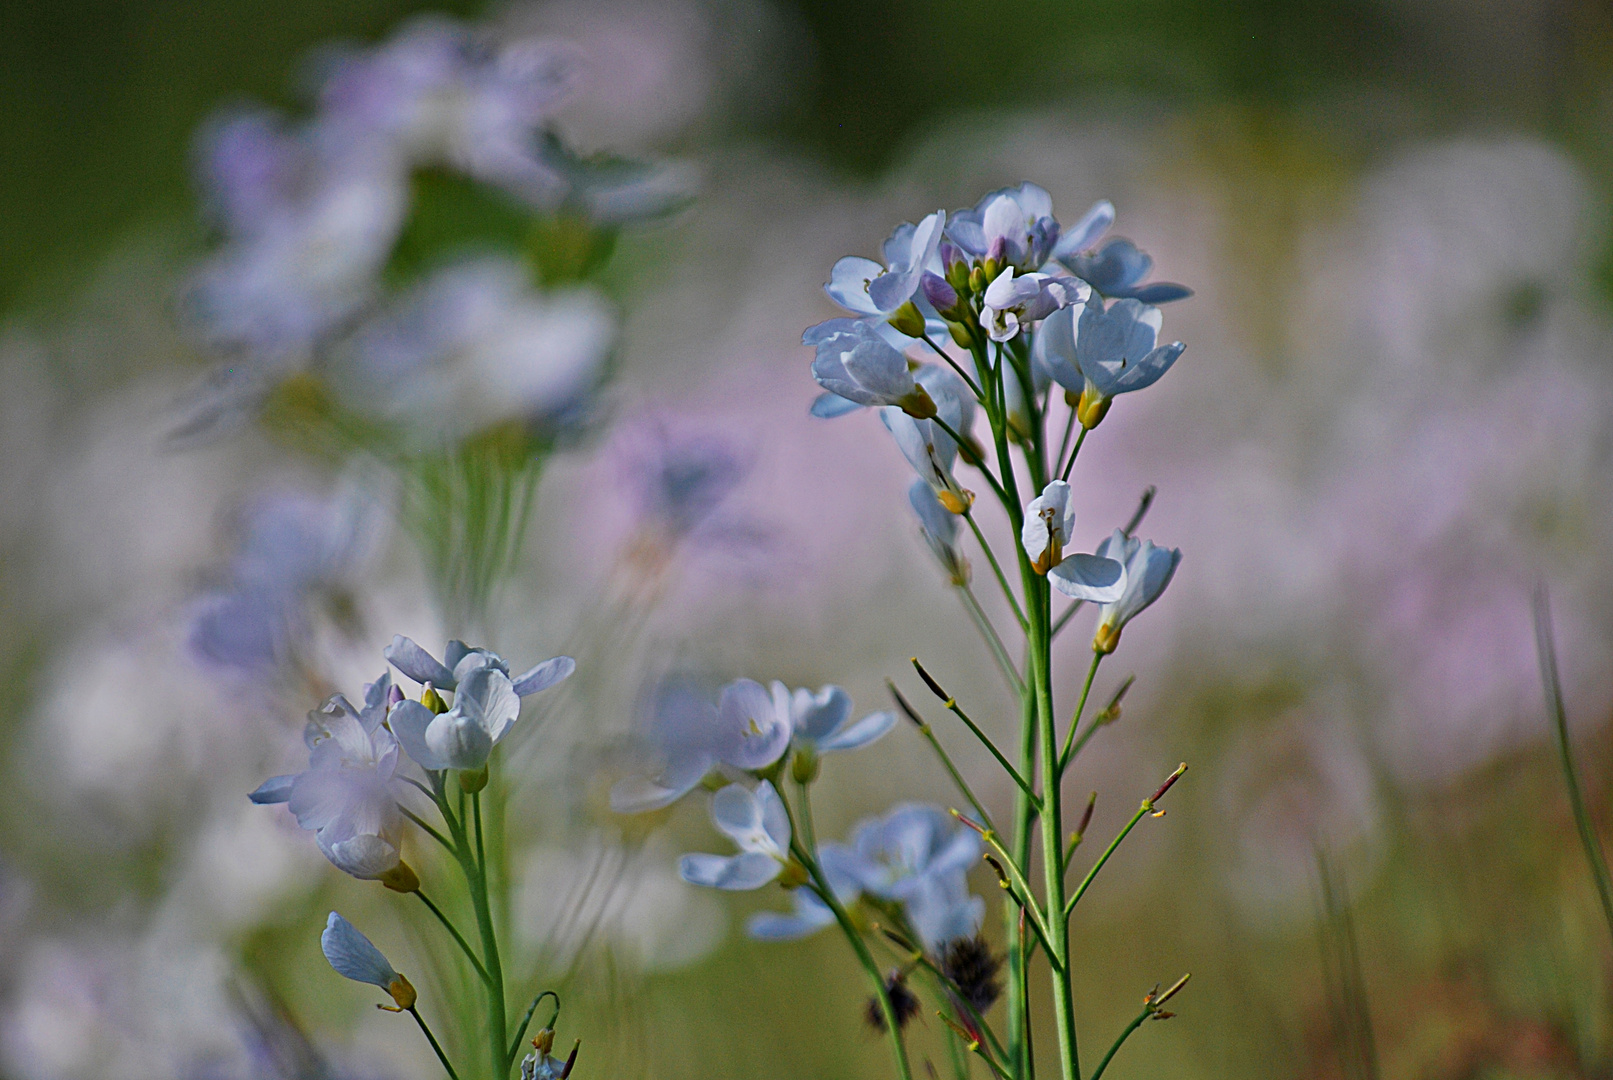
x=351 y=795
x=317 y=217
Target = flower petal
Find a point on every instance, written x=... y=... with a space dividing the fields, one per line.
x=353 y=955
x=869 y=728
x=750 y=870
x=545 y=675
x=1089 y=577
x=417 y=663
x=409 y=721
x=276 y=789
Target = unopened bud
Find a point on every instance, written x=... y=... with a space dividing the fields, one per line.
x=908 y=320
x=918 y=404
x=403 y=993
x=394 y=696
x=804 y=766
x=942 y=296
x=401 y=878
x=961 y=333
x=472 y=780
x=978 y=280
x=433 y=700
x=1105 y=640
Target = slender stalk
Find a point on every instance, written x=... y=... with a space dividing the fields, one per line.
x=929 y=735
x=453 y=930
x=1146 y=808
x=958 y=438
x=952 y=706
x=432 y=1039
x=1559 y=716
x=1075 y=452
x=1075 y=721
x=964 y=375
x=988 y=632
x=1069 y=429
x=854 y=939
x=1018 y=1004
x=996 y=568
x=476 y=873
x=1137 y=1022
x=426 y=827
x=526 y=1021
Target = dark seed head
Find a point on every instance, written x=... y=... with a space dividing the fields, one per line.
x=903 y=1003
x=970 y=963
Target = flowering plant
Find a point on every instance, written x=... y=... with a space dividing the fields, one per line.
x=996 y=312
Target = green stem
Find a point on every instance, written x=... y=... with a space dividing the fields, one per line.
x=1086 y=882
x=432 y=1039
x=858 y=946
x=951 y=705
x=1559 y=715
x=964 y=375
x=459 y=938
x=476 y=875
x=946 y=760
x=426 y=827
x=1070 y=749
x=526 y=1021
x=1148 y=1010
x=996 y=568
x=988 y=632
x=1074 y=453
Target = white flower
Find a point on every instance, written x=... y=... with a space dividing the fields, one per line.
x=1049 y=519
x=757 y=822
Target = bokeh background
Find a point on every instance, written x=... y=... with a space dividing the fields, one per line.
x=1394 y=417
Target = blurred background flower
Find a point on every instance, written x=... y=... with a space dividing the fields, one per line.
x=359 y=257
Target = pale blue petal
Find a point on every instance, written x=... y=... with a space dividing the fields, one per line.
x=737 y=812
x=545 y=675
x=1086 y=232
x=1089 y=577
x=775 y=818
x=276 y=789
x=418 y=664
x=827 y=406
x=863 y=732
x=751 y=870
x=810 y=916
x=817 y=716
x=751 y=733
x=848 y=284
x=1161 y=292
x=409 y=721
x=353 y=955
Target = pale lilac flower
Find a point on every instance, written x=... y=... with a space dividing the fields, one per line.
x=682 y=480
x=926 y=444
x=1013 y=302
x=690 y=736
x=865 y=288
x=1097 y=352
x=821 y=723
x=437 y=94
x=811 y=914
x=939 y=528
x=758 y=823
x=1049 y=520
x=474 y=345
x=1015 y=226
x=1084 y=234
x=355 y=957
x=347 y=795
x=854 y=363
x=487 y=702
x=294 y=547
x=1148 y=571
x=920 y=855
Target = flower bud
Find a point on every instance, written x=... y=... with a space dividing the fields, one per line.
x=401 y=878
x=978 y=279
x=804 y=766
x=472 y=780
x=394 y=696
x=908 y=320
x=961 y=334
x=403 y=993
x=918 y=404
x=942 y=296
x=433 y=700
